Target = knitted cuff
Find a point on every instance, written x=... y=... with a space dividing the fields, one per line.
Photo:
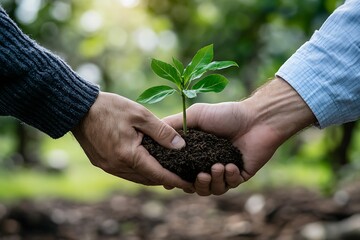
x=37 y=87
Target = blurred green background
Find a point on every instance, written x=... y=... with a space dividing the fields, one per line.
x=111 y=43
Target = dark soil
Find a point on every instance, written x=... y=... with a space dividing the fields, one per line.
x=201 y=152
x=274 y=214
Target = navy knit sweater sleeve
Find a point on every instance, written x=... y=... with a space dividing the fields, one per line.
x=37 y=87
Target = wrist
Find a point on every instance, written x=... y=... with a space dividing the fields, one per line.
x=91 y=116
x=279 y=107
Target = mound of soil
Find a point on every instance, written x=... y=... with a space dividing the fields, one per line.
x=201 y=152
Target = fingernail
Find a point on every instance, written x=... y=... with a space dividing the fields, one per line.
x=178 y=142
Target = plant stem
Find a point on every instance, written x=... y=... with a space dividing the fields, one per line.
x=184 y=113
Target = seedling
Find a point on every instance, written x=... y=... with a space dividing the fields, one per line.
x=188 y=81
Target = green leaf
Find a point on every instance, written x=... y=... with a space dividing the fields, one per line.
x=213 y=66
x=203 y=57
x=155 y=94
x=179 y=66
x=211 y=83
x=166 y=71
x=190 y=93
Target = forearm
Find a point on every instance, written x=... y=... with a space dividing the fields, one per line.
x=325 y=71
x=279 y=108
x=36 y=86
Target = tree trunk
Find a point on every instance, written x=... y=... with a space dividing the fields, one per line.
x=339 y=155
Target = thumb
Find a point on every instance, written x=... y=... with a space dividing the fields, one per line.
x=162 y=133
x=175 y=121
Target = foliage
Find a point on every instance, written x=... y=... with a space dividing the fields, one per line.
x=184 y=78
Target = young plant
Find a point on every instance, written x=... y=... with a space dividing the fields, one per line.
x=187 y=81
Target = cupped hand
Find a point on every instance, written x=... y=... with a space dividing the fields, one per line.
x=236 y=122
x=111 y=135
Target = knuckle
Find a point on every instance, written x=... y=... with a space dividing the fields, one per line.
x=163 y=132
x=140 y=114
x=196 y=107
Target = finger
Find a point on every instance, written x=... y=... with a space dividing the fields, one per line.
x=175 y=121
x=232 y=175
x=218 y=184
x=189 y=190
x=162 y=133
x=202 y=184
x=194 y=113
x=136 y=178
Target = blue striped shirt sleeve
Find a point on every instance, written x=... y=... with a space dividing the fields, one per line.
x=325 y=71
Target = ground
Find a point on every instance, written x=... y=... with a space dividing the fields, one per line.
x=284 y=213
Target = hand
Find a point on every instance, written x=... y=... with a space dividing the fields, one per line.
x=233 y=121
x=257 y=126
x=111 y=135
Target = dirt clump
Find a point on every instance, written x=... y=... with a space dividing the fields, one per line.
x=201 y=152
